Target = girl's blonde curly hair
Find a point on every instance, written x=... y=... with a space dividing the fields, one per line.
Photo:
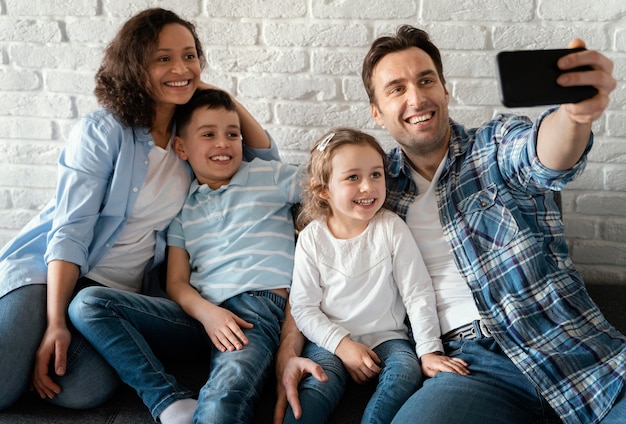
x=319 y=170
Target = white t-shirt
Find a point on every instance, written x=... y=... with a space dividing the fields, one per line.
x=359 y=286
x=160 y=198
x=455 y=303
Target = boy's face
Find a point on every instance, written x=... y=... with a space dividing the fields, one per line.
x=212 y=145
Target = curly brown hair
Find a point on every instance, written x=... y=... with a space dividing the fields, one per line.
x=406 y=36
x=121 y=81
x=319 y=170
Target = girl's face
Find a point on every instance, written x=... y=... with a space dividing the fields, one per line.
x=356 y=189
x=174 y=67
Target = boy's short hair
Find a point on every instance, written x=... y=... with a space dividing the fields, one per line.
x=209 y=98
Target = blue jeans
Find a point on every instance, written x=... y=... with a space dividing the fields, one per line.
x=89 y=380
x=400 y=378
x=495 y=392
x=237 y=378
x=131 y=330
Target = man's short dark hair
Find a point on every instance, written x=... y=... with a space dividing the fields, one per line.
x=406 y=36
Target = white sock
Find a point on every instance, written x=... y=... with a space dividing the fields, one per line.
x=179 y=412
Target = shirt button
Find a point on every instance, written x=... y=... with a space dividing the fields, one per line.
x=145 y=162
x=151 y=143
x=28 y=280
x=483 y=204
x=135 y=189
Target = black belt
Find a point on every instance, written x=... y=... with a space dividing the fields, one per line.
x=474 y=330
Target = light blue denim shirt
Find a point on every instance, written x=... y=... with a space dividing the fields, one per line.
x=101 y=171
x=504 y=230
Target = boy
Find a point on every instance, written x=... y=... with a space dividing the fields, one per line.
x=230 y=253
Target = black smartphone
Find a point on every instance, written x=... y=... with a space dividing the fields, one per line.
x=528 y=78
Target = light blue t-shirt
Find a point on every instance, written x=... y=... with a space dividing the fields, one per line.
x=240 y=237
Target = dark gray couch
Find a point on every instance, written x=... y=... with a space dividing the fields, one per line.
x=126 y=408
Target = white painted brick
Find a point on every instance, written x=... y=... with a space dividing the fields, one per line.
x=227 y=33
x=579 y=10
x=92 y=30
x=489 y=10
x=288 y=88
x=473 y=64
x=19 y=79
x=28 y=176
x=363 y=9
x=55 y=56
x=447 y=36
x=257 y=60
x=53 y=8
x=614 y=229
x=268 y=9
x=5 y=199
x=342 y=62
x=26 y=128
x=581 y=228
x=601 y=204
x=545 y=37
x=616 y=123
x=475 y=92
x=352 y=89
x=30 y=153
x=602 y=274
x=615 y=178
x=591 y=179
x=28 y=30
x=43 y=105
x=599 y=253
x=15 y=218
x=316 y=35
x=323 y=115
x=33 y=199
x=125 y=9
x=74 y=82
x=611 y=150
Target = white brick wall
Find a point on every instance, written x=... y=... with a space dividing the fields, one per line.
x=296 y=65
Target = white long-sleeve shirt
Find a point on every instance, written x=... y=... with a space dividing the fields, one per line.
x=359 y=287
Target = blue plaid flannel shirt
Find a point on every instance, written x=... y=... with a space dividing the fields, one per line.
x=504 y=229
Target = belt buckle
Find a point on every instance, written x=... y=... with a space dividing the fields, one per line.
x=483 y=329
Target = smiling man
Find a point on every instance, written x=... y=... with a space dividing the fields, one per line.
x=480 y=205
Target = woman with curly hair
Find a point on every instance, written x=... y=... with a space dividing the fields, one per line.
x=120 y=183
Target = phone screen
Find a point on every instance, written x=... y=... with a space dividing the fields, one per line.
x=528 y=78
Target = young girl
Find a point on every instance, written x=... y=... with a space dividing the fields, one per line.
x=357 y=273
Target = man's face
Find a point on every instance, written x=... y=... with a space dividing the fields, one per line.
x=411 y=102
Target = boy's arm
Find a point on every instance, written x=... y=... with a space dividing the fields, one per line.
x=222 y=326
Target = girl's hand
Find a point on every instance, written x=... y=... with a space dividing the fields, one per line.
x=360 y=361
x=434 y=363
x=54 y=344
x=224 y=329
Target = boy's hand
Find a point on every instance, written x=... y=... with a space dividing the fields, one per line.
x=360 y=361
x=224 y=329
x=434 y=363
